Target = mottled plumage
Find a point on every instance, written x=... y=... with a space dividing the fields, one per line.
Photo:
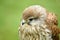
x=38 y=24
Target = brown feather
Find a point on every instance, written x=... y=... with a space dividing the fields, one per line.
x=52 y=25
x=30 y=12
x=51 y=19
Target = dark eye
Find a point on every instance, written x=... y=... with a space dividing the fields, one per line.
x=31 y=19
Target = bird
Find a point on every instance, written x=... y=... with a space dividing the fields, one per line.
x=38 y=24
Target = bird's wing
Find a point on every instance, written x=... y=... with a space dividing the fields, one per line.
x=51 y=18
x=52 y=25
x=52 y=22
x=55 y=32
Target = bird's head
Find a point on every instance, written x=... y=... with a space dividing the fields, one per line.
x=34 y=15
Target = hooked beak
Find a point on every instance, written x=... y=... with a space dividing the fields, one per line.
x=25 y=22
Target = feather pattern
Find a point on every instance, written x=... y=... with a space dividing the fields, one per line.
x=43 y=26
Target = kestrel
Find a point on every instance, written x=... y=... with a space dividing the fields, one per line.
x=38 y=24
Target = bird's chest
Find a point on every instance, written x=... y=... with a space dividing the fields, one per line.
x=36 y=33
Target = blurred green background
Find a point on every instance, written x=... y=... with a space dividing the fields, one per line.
x=11 y=12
